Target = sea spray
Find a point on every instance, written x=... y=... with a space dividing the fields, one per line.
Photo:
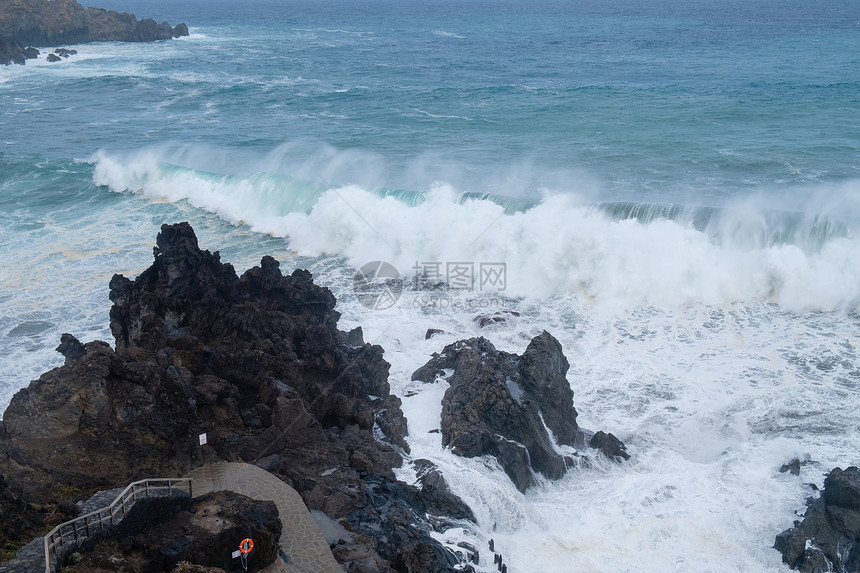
x=621 y=254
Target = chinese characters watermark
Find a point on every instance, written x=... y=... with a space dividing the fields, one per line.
x=378 y=285
x=464 y=276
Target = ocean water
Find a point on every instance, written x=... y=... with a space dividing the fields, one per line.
x=671 y=189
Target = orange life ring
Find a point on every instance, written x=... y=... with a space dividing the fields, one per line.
x=246 y=546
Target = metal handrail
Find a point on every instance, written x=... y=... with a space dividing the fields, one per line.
x=58 y=536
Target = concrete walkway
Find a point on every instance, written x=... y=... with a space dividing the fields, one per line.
x=303 y=547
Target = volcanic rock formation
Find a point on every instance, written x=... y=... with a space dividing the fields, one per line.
x=53 y=22
x=828 y=538
x=501 y=404
x=257 y=363
x=205 y=533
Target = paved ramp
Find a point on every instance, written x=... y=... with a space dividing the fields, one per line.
x=303 y=547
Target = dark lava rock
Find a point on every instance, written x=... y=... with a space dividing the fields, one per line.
x=254 y=361
x=437 y=495
x=70 y=347
x=180 y=30
x=828 y=538
x=14 y=52
x=52 y=22
x=792 y=467
x=205 y=533
x=21 y=521
x=501 y=404
x=431 y=332
x=54 y=58
x=612 y=447
x=501 y=317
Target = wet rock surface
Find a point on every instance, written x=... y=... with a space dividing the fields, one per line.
x=828 y=537
x=503 y=405
x=255 y=362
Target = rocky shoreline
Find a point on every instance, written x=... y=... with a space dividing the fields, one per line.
x=827 y=539
x=28 y=24
x=506 y=406
x=257 y=363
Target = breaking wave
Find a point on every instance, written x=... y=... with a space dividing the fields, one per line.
x=617 y=253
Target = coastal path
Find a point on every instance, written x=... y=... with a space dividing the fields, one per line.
x=303 y=546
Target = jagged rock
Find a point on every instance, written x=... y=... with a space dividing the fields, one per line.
x=14 y=52
x=404 y=549
x=354 y=337
x=828 y=538
x=543 y=378
x=180 y=30
x=256 y=362
x=70 y=347
x=54 y=58
x=612 y=447
x=501 y=404
x=501 y=317
x=437 y=495
x=52 y=22
x=842 y=488
x=792 y=467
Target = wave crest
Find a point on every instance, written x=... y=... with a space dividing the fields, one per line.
x=615 y=253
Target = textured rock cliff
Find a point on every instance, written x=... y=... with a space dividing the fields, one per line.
x=503 y=405
x=54 y=22
x=828 y=537
x=256 y=362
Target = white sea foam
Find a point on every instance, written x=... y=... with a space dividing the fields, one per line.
x=711 y=401
x=445 y=34
x=710 y=397
x=695 y=347
x=559 y=245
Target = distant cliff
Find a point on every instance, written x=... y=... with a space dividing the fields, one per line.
x=55 y=22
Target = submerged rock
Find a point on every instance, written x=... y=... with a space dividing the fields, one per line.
x=503 y=405
x=828 y=538
x=254 y=361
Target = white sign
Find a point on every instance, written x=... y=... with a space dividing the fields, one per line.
x=236 y=554
x=203 y=439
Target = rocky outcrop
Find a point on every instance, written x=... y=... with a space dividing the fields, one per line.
x=54 y=22
x=59 y=54
x=21 y=520
x=257 y=363
x=205 y=534
x=503 y=405
x=12 y=52
x=828 y=538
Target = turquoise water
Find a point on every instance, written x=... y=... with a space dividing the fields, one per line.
x=673 y=188
x=681 y=99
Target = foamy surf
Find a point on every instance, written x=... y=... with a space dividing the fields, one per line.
x=617 y=254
